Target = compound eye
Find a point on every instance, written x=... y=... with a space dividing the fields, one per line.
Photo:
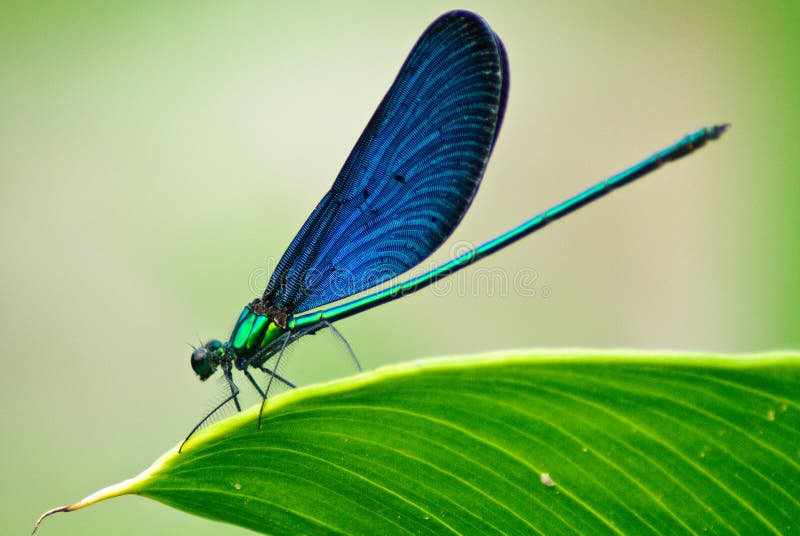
x=201 y=363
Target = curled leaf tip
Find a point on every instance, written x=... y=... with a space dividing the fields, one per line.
x=47 y=514
x=115 y=490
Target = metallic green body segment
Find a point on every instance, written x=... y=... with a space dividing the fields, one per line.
x=273 y=332
x=252 y=333
x=684 y=147
x=257 y=334
x=242 y=329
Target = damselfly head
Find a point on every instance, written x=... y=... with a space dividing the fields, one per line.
x=207 y=358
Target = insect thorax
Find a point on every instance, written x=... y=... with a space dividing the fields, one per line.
x=252 y=333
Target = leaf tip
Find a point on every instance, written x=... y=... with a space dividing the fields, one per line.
x=115 y=490
x=48 y=514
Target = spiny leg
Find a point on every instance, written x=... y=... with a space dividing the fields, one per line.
x=271 y=373
x=255 y=384
x=234 y=393
x=272 y=377
x=234 y=389
x=346 y=344
x=278 y=377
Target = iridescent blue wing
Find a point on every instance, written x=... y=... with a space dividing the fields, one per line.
x=412 y=174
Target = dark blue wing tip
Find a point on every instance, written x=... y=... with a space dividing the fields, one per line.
x=461 y=13
x=464 y=15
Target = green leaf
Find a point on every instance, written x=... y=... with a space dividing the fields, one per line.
x=506 y=444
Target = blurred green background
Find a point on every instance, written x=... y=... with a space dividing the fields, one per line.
x=155 y=159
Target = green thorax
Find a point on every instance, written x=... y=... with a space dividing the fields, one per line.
x=253 y=332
